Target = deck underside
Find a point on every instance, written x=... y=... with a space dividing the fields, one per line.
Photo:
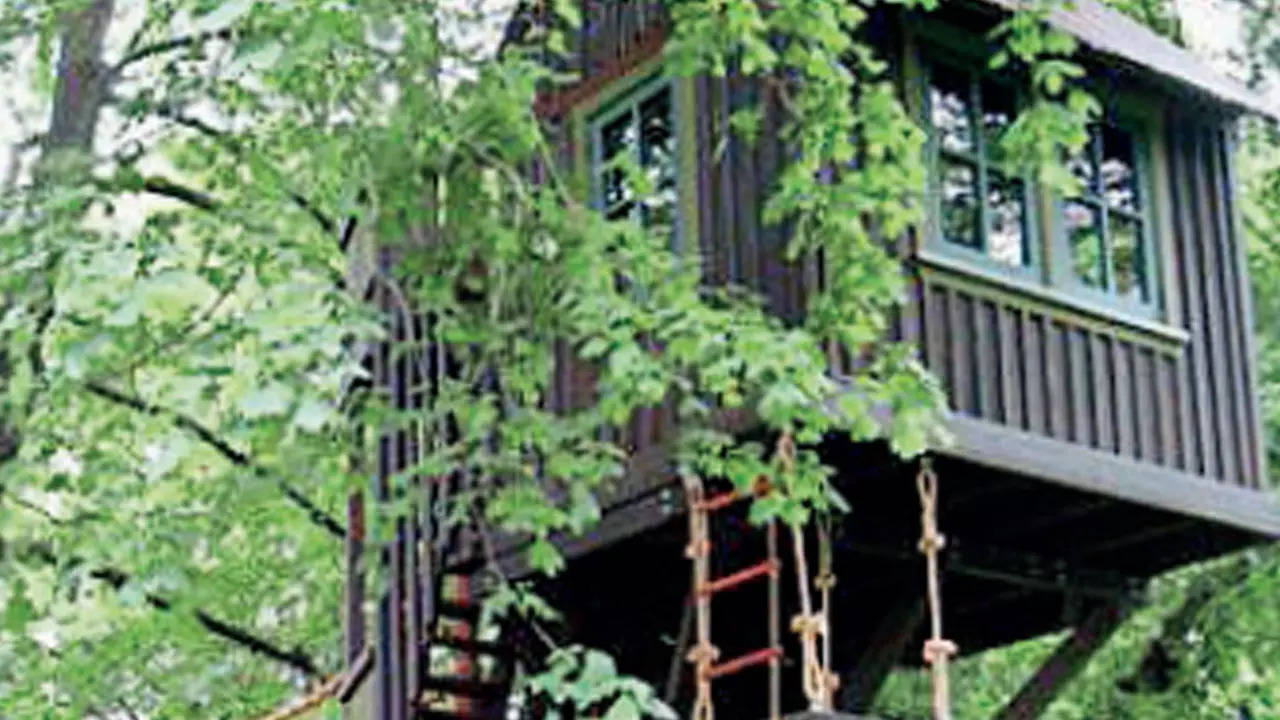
x=1025 y=557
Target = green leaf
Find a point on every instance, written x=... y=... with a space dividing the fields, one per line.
x=312 y=414
x=259 y=55
x=223 y=15
x=624 y=708
x=545 y=558
x=266 y=401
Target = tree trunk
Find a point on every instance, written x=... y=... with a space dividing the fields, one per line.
x=82 y=81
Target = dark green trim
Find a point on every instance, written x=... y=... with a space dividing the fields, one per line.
x=1144 y=130
x=966 y=61
x=586 y=115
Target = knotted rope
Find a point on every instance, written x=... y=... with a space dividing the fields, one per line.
x=938 y=651
x=703 y=654
x=818 y=681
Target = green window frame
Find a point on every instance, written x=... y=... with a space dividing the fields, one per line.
x=642 y=124
x=982 y=211
x=1105 y=234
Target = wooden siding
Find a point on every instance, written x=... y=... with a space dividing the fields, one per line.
x=1046 y=367
x=1175 y=394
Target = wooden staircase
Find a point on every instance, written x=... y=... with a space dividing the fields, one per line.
x=465 y=676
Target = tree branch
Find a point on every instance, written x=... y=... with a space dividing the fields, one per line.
x=167 y=188
x=210 y=131
x=295 y=659
x=160 y=48
x=236 y=457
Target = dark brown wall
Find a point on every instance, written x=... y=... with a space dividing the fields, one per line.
x=1028 y=363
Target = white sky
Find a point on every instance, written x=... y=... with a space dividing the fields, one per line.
x=1211 y=26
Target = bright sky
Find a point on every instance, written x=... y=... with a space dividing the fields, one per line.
x=1212 y=28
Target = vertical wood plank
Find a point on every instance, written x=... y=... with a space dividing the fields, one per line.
x=1247 y=340
x=746 y=216
x=706 y=190
x=1210 y=274
x=1194 y=372
x=771 y=237
x=725 y=261
x=1079 y=391
x=961 y=319
x=1100 y=364
x=1055 y=375
x=1011 y=370
x=1033 y=387
x=1148 y=420
x=1166 y=390
x=1238 y=388
x=935 y=328
x=1122 y=394
x=987 y=373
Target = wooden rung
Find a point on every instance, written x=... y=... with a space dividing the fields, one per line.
x=725 y=499
x=768 y=567
x=759 y=657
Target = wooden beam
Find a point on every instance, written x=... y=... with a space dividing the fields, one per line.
x=861 y=684
x=1114 y=476
x=1021 y=569
x=1064 y=664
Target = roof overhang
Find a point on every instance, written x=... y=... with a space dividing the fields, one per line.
x=1112 y=33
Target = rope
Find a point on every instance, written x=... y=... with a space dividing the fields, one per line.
x=703 y=654
x=818 y=682
x=938 y=651
x=309 y=702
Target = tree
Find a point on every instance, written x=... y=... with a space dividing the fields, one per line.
x=185 y=319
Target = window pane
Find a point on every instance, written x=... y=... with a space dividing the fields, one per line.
x=959 y=202
x=1082 y=165
x=949 y=109
x=1127 y=256
x=1006 y=238
x=999 y=109
x=658 y=158
x=1118 y=169
x=617 y=139
x=1083 y=225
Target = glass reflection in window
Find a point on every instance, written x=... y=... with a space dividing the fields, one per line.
x=1116 y=169
x=642 y=134
x=1006 y=238
x=960 y=203
x=1127 y=266
x=1083 y=225
x=949 y=99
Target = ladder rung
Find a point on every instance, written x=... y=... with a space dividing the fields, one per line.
x=768 y=567
x=464 y=687
x=759 y=657
x=725 y=499
x=716 y=502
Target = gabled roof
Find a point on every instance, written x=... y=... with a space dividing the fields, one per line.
x=1113 y=33
x=1107 y=32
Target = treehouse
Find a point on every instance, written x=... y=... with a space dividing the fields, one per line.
x=1096 y=353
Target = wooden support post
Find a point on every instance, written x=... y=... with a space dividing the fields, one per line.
x=884 y=647
x=1064 y=664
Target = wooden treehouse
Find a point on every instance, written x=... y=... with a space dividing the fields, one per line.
x=1096 y=352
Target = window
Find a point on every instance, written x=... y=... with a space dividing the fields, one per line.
x=639 y=130
x=982 y=203
x=1105 y=226
x=1094 y=250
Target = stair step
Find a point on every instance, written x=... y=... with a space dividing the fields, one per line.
x=494 y=711
x=475 y=647
x=459 y=611
x=466 y=687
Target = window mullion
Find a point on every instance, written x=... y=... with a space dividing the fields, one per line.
x=980 y=149
x=1108 y=253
